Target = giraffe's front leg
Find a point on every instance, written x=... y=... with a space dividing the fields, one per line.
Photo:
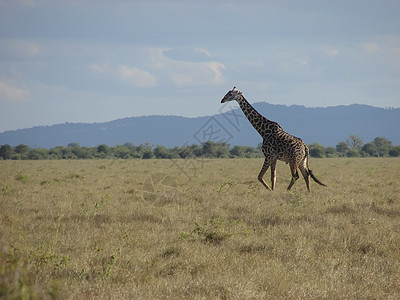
x=264 y=169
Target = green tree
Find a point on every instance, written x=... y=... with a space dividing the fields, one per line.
x=209 y=149
x=197 y=150
x=6 y=151
x=215 y=150
x=145 y=151
x=121 y=151
x=74 y=145
x=317 y=150
x=353 y=153
x=103 y=151
x=185 y=152
x=237 y=151
x=244 y=151
x=147 y=154
x=162 y=152
x=383 y=144
x=133 y=150
x=342 y=148
x=84 y=152
x=67 y=153
x=395 y=151
x=21 y=149
x=330 y=151
x=354 y=142
x=223 y=150
x=371 y=149
x=38 y=153
x=56 y=152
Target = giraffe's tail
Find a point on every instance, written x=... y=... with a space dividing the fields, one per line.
x=308 y=169
x=315 y=178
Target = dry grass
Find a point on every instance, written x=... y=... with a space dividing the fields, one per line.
x=141 y=229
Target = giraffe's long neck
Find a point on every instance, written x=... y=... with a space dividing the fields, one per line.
x=255 y=118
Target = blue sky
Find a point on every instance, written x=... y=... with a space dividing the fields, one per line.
x=94 y=61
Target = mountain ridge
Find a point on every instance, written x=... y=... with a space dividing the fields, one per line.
x=326 y=126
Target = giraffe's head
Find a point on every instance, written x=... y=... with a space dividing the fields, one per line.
x=232 y=95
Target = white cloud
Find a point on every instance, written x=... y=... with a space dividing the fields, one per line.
x=129 y=75
x=329 y=51
x=217 y=69
x=17 y=48
x=186 y=73
x=10 y=92
x=189 y=74
x=96 y=68
x=204 y=51
x=137 y=77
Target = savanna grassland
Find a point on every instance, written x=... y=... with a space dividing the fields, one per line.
x=142 y=229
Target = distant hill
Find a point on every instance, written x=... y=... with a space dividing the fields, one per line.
x=326 y=126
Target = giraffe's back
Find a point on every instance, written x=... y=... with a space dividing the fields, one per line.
x=283 y=146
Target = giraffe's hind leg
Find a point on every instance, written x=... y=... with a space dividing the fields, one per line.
x=305 y=173
x=264 y=169
x=273 y=174
x=295 y=175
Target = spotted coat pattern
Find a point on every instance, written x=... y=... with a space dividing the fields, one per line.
x=277 y=144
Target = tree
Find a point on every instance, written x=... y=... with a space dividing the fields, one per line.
x=147 y=154
x=383 y=144
x=84 y=152
x=395 y=151
x=56 y=152
x=74 y=145
x=244 y=151
x=197 y=150
x=238 y=151
x=21 y=149
x=6 y=151
x=371 y=149
x=222 y=150
x=144 y=151
x=342 y=148
x=354 y=142
x=185 y=152
x=38 y=153
x=317 y=150
x=103 y=151
x=121 y=152
x=352 y=153
x=330 y=151
x=162 y=152
x=209 y=149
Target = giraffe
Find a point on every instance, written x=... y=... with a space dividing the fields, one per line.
x=277 y=144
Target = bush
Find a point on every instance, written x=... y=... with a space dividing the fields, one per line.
x=353 y=153
x=317 y=150
x=380 y=146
